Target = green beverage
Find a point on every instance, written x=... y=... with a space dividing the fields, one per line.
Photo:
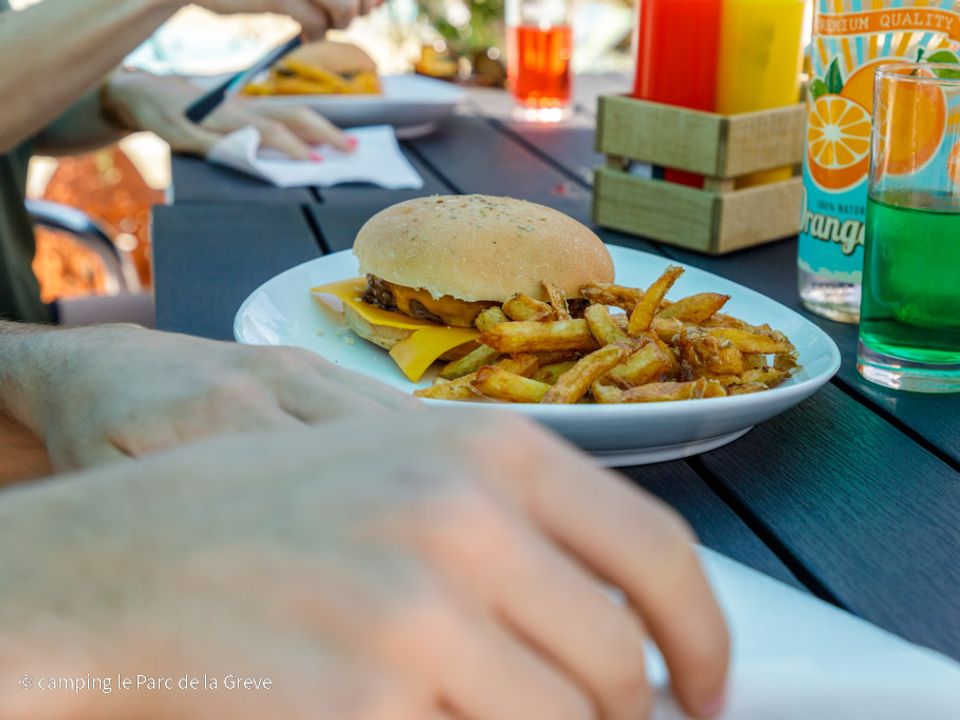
x=911 y=298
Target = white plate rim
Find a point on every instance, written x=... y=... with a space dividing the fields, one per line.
x=452 y=95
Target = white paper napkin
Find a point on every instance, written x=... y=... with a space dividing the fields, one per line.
x=796 y=657
x=377 y=160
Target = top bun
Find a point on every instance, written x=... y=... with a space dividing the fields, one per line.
x=335 y=57
x=479 y=247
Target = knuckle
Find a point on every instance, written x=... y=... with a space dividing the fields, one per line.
x=234 y=392
x=466 y=524
x=427 y=611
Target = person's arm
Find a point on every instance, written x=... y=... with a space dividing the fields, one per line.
x=81 y=41
x=139 y=101
x=85 y=126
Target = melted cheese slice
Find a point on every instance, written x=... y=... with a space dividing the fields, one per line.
x=414 y=354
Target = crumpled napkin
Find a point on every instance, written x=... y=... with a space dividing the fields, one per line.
x=377 y=159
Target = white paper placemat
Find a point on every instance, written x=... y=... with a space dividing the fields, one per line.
x=796 y=657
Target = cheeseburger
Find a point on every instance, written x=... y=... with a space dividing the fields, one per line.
x=433 y=264
x=321 y=68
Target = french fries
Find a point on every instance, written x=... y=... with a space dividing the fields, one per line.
x=499 y=384
x=648 y=350
x=462 y=388
x=469 y=363
x=558 y=301
x=532 y=336
x=754 y=341
x=603 y=327
x=614 y=295
x=695 y=308
x=642 y=314
x=490 y=318
x=648 y=363
x=664 y=391
x=523 y=307
x=481 y=355
x=549 y=374
x=574 y=383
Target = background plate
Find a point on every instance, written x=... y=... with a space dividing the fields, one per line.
x=407 y=101
x=283 y=312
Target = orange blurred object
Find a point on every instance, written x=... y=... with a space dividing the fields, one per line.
x=539 y=65
x=107 y=186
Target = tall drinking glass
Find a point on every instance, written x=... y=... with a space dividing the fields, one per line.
x=539 y=49
x=910 y=308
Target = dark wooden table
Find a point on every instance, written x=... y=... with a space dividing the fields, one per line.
x=853 y=496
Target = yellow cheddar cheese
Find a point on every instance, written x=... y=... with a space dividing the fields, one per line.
x=416 y=353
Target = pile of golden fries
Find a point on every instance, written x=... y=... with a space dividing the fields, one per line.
x=294 y=77
x=626 y=345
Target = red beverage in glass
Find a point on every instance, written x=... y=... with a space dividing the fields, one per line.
x=678 y=45
x=538 y=64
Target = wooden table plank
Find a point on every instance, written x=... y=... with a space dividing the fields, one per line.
x=209 y=258
x=197 y=181
x=716 y=525
x=865 y=510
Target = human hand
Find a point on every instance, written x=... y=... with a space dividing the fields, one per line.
x=314 y=16
x=104 y=393
x=448 y=568
x=151 y=102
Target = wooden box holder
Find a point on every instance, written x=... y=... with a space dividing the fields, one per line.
x=719 y=218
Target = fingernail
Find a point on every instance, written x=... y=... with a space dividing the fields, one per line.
x=352 y=142
x=715 y=706
x=316 y=157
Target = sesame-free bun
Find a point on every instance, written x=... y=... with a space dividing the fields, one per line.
x=479 y=247
x=336 y=57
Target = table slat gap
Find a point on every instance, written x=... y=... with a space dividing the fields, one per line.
x=766 y=535
x=322 y=244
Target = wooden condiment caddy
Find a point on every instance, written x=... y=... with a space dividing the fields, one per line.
x=718 y=218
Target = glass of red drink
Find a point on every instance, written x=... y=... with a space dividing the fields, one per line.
x=539 y=49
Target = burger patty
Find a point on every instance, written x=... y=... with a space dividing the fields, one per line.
x=380 y=293
x=383 y=294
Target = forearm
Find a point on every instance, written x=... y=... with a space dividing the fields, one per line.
x=22 y=358
x=81 y=42
x=83 y=127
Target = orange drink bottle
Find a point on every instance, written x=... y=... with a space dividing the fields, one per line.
x=760 y=60
x=539 y=50
x=676 y=44
x=851 y=39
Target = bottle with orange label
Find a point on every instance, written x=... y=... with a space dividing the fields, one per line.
x=851 y=39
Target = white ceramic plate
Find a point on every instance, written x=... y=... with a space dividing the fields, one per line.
x=408 y=102
x=283 y=312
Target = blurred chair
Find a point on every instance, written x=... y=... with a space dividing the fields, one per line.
x=121 y=273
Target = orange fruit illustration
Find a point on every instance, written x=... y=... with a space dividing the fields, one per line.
x=859 y=86
x=838 y=142
x=910 y=125
x=953 y=164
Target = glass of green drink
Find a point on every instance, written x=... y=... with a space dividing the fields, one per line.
x=910 y=307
